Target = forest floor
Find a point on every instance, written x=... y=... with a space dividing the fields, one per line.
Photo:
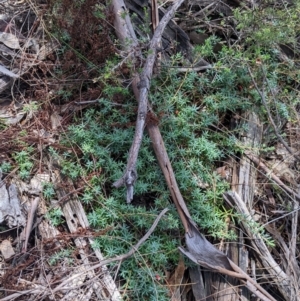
x=53 y=65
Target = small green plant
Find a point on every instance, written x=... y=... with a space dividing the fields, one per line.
x=61 y=255
x=31 y=107
x=24 y=162
x=48 y=190
x=99 y=11
x=5 y=167
x=258 y=229
x=64 y=94
x=55 y=216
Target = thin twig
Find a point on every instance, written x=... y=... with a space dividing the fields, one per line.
x=84 y=102
x=195 y=69
x=116 y=258
x=268 y=172
x=19 y=294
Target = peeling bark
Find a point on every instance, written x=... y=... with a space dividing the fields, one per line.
x=10 y=208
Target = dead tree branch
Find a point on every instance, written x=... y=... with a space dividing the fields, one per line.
x=284 y=281
x=116 y=258
x=130 y=174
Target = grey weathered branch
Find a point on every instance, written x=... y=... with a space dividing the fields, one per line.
x=10 y=208
x=283 y=281
x=130 y=174
x=7 y=72
x=119 y=257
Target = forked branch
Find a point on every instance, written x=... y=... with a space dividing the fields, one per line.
x=130 y=175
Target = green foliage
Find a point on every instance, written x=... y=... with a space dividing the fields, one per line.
x=24 y=162
x=269 y=23
x=48 y=190
x=192 y=108
x=61 y=255
x=55 y=216
x=99 y=11
x=5 y=167
x=31 y=107
x=257 y=229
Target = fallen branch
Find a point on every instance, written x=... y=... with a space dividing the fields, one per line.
x=269 y=173
x=116 y=258
x=130 y=174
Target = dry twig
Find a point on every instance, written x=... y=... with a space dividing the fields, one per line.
x=64 y=285
x=143 y=86
x=116 y=258
x=269 y=173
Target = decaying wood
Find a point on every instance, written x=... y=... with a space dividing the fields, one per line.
x=243 y=262
x=29 y=223
x=104 y=286
x=247 y=172
x=10 y=208
x=284 y=282
x=226 y=288
x=246 y=182
x=122 y=257
x=175 y=281
x=201 y=290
